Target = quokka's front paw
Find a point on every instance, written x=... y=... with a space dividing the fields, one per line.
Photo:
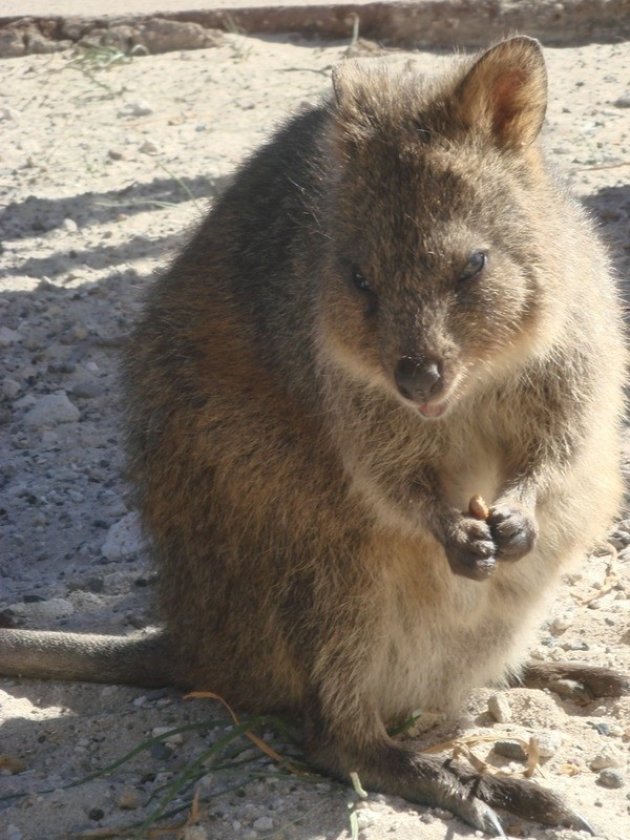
x=513 y=531
x=470 y=549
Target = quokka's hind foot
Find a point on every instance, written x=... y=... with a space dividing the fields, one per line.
x=401 y=770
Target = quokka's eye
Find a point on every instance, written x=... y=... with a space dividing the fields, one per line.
x=359 y=281
x=477 y=261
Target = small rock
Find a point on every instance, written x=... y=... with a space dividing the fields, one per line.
x=149 y=147
x=160 y=752
x=124 y=538
x=95 y=584
x=510 y=749
x=75 y=333
x=51 y=410
x=7 y=113
x=548 y=743
x=8 y=337
x=611 y=779
x=10 y=388
x=561 y=623
x=128 y=799
x=499 y=708
x=619 y=539
x=365 y=817
x=96 y=814
x=263 y=824
x=115 y=154
x=33 y=598
x=623 y=101
x=141 y=108
x=70 y=225
x=172 y=740
x=87 y=390
x=49 y=439
x=607 y=757
x=578 y=645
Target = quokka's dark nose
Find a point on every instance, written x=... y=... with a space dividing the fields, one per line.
x=419 y=379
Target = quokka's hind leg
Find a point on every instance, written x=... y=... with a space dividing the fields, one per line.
x=385 y=765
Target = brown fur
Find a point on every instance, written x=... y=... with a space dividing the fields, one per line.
x=307 y=520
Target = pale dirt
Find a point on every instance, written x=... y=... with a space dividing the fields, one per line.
x=92 y=203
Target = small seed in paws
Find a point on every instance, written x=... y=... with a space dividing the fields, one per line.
x=478 y=508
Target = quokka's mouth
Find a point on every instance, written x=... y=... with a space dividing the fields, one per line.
x=433 y=410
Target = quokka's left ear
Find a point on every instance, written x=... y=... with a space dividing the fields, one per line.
x=504 y=93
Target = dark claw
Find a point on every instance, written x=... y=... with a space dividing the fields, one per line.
x=483 y=818
x=580 y=824
x=526 y=799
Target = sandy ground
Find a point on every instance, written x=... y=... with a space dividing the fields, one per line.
x=105 y=164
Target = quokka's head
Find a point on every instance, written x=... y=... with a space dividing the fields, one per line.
x=439 y=260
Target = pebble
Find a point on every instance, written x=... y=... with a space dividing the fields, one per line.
x=623 y=101
x=115 y=154
x=548 y=743
x=87 y=390
x=561 y=623
x=510 y=749
x=263 y=824
x=140 y=108
x=607 y=757
x=8 y=337
x=149 y=147
x=499 y=708
x=172 y=740
x=128 y=799
x=7 y=113
x=70 y=225
x=365 y=817
x=124 y=538
x=160 y=752
x=49 y=439
x=51 y=410
x=611 y=779
x=10 y=388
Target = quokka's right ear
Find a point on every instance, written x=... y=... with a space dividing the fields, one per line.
x=504 y=93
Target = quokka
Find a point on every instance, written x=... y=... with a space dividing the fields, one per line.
x=391 y=309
